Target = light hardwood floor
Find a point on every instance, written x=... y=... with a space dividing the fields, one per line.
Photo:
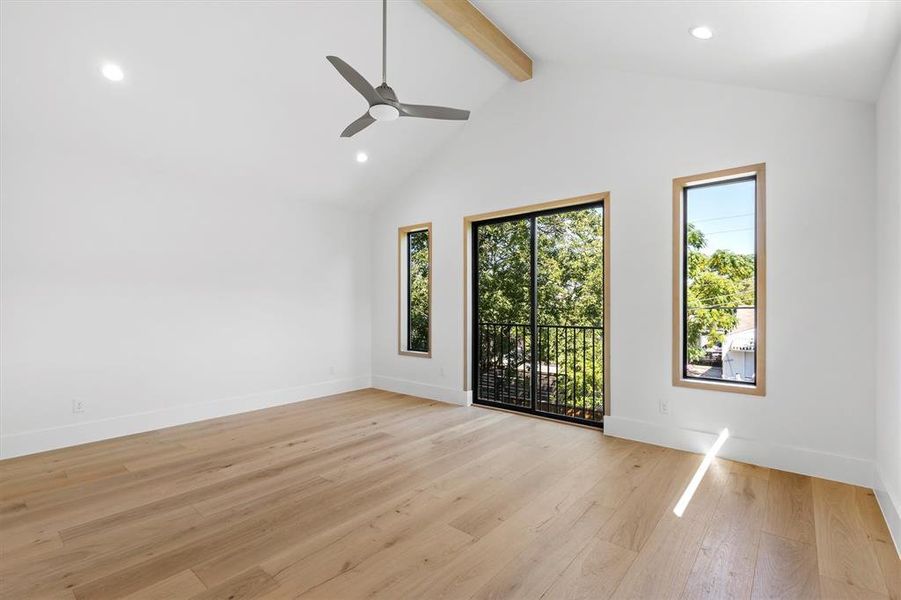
x=377 y=495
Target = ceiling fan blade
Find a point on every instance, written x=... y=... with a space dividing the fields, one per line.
x=433 y=112
x=359 y=125
x=356 y=80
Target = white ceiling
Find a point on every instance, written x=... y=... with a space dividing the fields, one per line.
x=235 y=92
x=240 y=92
x=836 y=48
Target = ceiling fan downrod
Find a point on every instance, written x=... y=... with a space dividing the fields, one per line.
x=383 y=102
x=384 y=41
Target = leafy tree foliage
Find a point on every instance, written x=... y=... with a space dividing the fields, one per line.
x=717 y=284
x=570 y=270
x=419 y=290
x=570 y=292
x=504 y=258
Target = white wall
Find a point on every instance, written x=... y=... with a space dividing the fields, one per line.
x=572 y=131
x=888 y=300
x=159 y=298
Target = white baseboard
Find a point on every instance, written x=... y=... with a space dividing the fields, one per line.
x=39 y=440
x=847 y=469
x=422 y=390
x=891 y=509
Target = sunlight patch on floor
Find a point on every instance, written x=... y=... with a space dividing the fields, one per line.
x=682 y=504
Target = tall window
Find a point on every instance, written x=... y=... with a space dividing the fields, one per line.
x=415 y=289
x=719 y=262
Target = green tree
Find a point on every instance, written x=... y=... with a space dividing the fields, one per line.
x=504 y=259
x=717 y=283
x=570 y=270
x=419 y=290
x=570 y=292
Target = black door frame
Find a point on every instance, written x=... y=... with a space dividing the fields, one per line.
x=532 y=217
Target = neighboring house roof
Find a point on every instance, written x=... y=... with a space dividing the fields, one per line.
x=742 y=341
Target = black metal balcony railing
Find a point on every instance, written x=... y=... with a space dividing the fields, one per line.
x=569 y=364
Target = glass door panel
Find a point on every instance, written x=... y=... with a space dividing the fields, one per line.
x=504 y=333
x=538 y=298
x=570 y=335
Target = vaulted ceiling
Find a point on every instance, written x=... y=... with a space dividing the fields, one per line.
x=241 y=92
x=237 y=92
x=838 y=48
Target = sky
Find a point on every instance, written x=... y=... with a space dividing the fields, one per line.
x=725 y=213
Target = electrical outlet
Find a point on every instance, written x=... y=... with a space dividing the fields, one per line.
x=331 y=370
x=441 y=371
x=77 y=406
x=664 y=406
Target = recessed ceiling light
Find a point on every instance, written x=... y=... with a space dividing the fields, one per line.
x=362 y=157
x=113 y=72
x=702 y=32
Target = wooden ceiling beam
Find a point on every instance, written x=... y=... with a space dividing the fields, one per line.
x=478 y=29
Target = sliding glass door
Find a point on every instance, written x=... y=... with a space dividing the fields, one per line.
x=538 y=298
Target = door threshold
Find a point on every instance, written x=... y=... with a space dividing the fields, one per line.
x=550 y=419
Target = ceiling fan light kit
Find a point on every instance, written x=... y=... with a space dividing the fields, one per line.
x=383 y=112
x=383 y=103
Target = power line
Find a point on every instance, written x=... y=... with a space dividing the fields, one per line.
x=720 y=297
x=721 y=308
x=727 y=231
x=721 y=218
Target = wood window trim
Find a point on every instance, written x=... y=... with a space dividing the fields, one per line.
x=401 y=253
x=530 y=208
x=679 y=185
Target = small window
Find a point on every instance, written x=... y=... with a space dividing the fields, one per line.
x=719 y=263
x=414 y=287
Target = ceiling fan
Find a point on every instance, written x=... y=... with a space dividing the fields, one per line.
x=383 y=103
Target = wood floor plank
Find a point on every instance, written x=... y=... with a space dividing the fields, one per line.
x=539 y=566
x=871 y=515
x=724 y=567
x=39 y=546
x=831 y=589
x=593 y=574
x=163 y=483
x=137 y=524
x=22 y=487
x=740 y=468
x=468 y=571
x=237 y=547
x=633 y=523
x=625 y=477
x=664 y=562
x=537 y=529
x=136 y=497
x=707 y=496
x=337 y=505
x=253 y=583
x=492 y=511
x=790 y=507
x=379 y=575
x=180 y=586
x=374 y=494
x=880 y=540
x=785 y=569
x=318 y=558
x=844 y=552
x=890 y=563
